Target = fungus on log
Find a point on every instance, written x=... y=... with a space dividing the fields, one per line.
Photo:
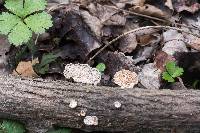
x=42 y=103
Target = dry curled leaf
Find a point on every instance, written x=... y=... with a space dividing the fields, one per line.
x=128 y=43
x=191 y=6
x=25 y=69
x=150 y=10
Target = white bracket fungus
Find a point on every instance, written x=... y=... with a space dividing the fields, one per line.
x=91 y=120
x=82 y=73
x=126 y=78
x=73 y=104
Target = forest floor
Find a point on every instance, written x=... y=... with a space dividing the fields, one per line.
x=129 y=43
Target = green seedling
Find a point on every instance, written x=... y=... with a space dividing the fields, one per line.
x=172 y=72
x=101 y=67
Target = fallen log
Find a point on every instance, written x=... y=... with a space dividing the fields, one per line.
x=40 y=104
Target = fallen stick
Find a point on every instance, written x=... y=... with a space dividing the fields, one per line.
x=40 y=104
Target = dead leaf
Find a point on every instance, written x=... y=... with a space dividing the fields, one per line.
x=161 y=59
x=148 y=39
x=25 y=69
x=150 y=10
x=191 y=6
x=169 y=4
x=195 y=44
x=149 y=77
x=172 y=43
x=76 y=29
x=123 y=3
x=128 y=43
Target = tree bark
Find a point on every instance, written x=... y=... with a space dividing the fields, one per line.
x=42 y=103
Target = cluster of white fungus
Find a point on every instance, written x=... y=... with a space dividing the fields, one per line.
x=125 y=78
x=82 y=73
x=73 y=104
x=91 y=120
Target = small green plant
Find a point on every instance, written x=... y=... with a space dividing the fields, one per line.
x=43 y=66
x=101 y=67
x=23 y=18
x=196 y=83
x=8 y=126
x=61 y=130
x=172 y=72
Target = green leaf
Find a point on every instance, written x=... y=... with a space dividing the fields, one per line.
x=43 y=67
x=48 y=58
x=172 y=72
x=101 y=67
x=32 y=6
x=166 y=76
x=20 y=34
x=23 y=9
x=15 y=6
x=7 y=22
x=171 y=67
x=62 y=130
x=178 y=72
x=39 y=22
x=19 y=25
x=11 y=127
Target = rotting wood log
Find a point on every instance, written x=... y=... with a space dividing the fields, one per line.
x=42 y=103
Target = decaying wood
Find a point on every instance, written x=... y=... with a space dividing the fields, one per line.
x=41 y=103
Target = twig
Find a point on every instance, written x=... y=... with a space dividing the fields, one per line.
x=181 y=81
x=137 y=30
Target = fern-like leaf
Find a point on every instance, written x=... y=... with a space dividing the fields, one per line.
x=20 y=34
x=39 y=22
x=7 y=22
x=23 y=9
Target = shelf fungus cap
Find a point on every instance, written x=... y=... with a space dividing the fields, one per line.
x=125 y=78
x=82 y=73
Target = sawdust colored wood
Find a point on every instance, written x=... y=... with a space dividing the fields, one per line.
x=41 y=103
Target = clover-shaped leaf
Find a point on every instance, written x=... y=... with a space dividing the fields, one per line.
x=39 y=22
x=22 y=8
x=26 y=16
x=10 y=20
x=19 y=34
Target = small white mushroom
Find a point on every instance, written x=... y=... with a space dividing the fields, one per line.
x=73 y=104
x=117 y=104
x=91 y=120
x=126 y=78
